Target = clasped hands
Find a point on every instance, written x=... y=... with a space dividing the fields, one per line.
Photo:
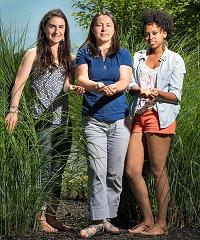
x=108 y=90
x=149 y=93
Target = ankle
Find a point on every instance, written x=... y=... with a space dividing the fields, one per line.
x=148 y=222
x=161 y=223
x=41 y=216
x=51 y=218
x=98 y=222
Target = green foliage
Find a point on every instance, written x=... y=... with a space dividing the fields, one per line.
x=20 y=192
x=185 y=14
x=184 y=161
x=126 y=12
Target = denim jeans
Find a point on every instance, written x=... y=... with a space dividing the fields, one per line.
x=107 y=144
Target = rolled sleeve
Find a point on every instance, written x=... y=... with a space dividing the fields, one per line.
x=133 y=77
x=176 y=81
x=132 y=83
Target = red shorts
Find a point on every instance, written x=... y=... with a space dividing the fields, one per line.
x=148 y=122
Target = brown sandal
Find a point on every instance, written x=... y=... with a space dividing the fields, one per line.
x=140 y=228
x=156 y=230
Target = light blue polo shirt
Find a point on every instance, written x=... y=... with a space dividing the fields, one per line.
x=104 y=108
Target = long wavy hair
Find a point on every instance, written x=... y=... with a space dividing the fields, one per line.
x=44 y=57
x=90 y=42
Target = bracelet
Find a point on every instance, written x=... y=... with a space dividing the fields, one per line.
x=70 y=87
x=14 y=107
x=99 y=85
x=15 y=111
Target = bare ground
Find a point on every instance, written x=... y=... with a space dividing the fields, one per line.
x=74 y=213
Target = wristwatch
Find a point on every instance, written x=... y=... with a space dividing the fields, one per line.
x=99 y=85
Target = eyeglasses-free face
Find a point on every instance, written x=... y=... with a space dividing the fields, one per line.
x=103 y=29
x=154 y=36
x=55 y=30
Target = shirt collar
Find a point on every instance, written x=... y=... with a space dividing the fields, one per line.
x=162 y=58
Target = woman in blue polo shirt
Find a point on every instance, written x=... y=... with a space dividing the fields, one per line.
x=104 y=70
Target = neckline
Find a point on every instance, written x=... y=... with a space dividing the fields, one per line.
x=145 y=65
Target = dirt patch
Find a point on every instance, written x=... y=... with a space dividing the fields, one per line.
x=74 y=213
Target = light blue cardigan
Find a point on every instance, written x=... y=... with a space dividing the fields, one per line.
x=169 y=79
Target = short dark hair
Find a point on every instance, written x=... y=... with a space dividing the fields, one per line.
x=90 y=42
x=158 y=17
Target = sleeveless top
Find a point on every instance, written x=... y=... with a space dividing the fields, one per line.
x=147 y=79
x=48 y=100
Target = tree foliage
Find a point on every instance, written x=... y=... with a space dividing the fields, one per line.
x=185 y=14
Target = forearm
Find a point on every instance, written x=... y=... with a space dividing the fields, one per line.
x=167 y=96
x=88 y=84
x=122 y=85
x=16 y=95
x=135 y=90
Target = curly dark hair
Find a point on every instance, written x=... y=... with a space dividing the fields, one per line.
x=90 y=42
x=44 y=57
x=158 y=17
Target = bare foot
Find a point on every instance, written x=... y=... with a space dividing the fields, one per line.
x=45 y=227
x=156 y=230
x=53 y=221
x=139 y=228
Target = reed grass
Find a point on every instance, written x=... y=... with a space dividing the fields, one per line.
x=184 y=156
x=21 y=193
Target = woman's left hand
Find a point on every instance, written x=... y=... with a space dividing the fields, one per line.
x=108 y=90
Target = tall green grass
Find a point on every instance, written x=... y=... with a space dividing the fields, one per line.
x=184 y=157
x=21 y=193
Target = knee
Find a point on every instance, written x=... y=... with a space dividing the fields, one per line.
x=158 y=172
x=132 y=174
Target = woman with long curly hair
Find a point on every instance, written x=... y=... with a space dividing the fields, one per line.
x=156 y=88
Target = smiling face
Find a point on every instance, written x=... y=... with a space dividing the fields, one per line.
x=55 y=30
x=154 y=36
x=103 y=29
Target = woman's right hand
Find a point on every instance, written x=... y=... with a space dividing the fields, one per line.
x=11 y=120
x=148 y=93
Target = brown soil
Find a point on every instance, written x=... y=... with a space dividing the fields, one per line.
x=74 y=213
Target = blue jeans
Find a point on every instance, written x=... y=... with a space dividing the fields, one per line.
x=107 y=144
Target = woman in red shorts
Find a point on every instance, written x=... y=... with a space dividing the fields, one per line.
x=156 y=89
